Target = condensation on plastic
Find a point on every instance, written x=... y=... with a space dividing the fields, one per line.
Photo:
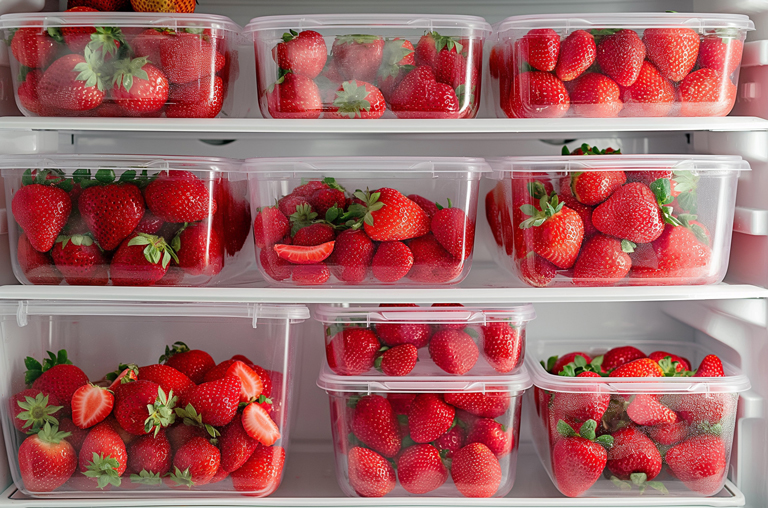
x=479 y=315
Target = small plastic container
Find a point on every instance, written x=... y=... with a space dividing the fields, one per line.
x=436 y=341
x=608 y=65
x=85 y=63
x=704 y=408
x=630 y=220
x=357 y=65
x=415 y=243
x=98 y=336
x=473 y=422
x=191 y=213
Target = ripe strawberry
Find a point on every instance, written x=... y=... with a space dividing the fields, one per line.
x=503 y=345
x=188 y=57
x=150 y=453
x=603 y=261
x=431 y=262
x=194 y=363
x=258 y=425
x=493 y=435
x=593 y=187
x=392 y=261
x=46 y=460
x=77 y=435
x=672 y=50
x=352 y=256
x=430 y=45
x=427 y=205
x=451 y=442
x=215 y=401
x=557 y=231
x=484 y=405
x=304 y=255
x=454 y=231
x=310 y=275
x=564 y=360
x=358 y=56
x=453 y=69
x=289 y=204
x=398 y=58
x=370 y=474
x=294 y=96
x=199 y=250
x=111 y=212
x=275 y=268
x=219 y=371
x=31 y=409
x=179 y=196
x=392 y=216
x=429 y=417
x=167 y=377
x=251 y=385
x=668 y=434
x=706 y=92
x=262 y=472
x=236 y=445
x=133 y=401
x=179 y=6
x=722 y=54
x=631 y=213
x=632 y=452
x=90 y=405
x=643 y=367
x=141 y=260
x=201 y=98
x=650 y=95
x=195 y=463
x=647 y=410
x=493 y=216
x=621 y=55
x=326 y=198
x=710 y=366
x=269 y=227
x=476 y=471
x=138 y=86
x=27 y=92
x=41 y=211
x=584 y=211
x=398 y=361
x=535 y=270
x=578 y=459
x=577 y=54
x=149 y=224
x=618 y=356
x=538 y=95
x=420 y=469
x=419 y=95
x=80 y=260
x=103 y=457
x=302 y=53
x=357 y=99
x=33 y=47
x=581 y=406
x=700 y=463
x=72 y=83
x=678 y=247
x=595 y=95
x=375 y=425
x=454 y=351
x=395 y=334
x=314 y=234
x=682 y=363
x=233 y=213
x=539 y=48
x=55 y=376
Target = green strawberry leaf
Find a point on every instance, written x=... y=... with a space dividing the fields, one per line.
x=587 y=430
x=605 y=441
x=625 y=486
x=551 y=361
x=128 y=176
x=658 y=486
x=105 y=176
x=565 y=430
x=627 y=246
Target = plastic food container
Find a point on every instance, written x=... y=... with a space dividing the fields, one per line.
x=138 y=333
x=447 y=438
x=87 y=63
x=696 y=447
x=369 y=65
x=608 y=65
x=127 y=220
x=386 y=225
x=424 y=342
x=637 y=220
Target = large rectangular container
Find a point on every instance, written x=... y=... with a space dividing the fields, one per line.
x=628 y=220
x=369 y=65
x=446 y=437
x=100 y=337
x=74 y=217
x=122 y=64
x=385 y=223
x=608 y=65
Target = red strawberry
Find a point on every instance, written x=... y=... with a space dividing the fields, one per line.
x=375 y=425
x=419 y=95
x=288 y=204
x=631 y=453
x=420 y=469
x=77 y=436
x=31 y=409
x=77 y=37
x=539 y=48
x=302 y=53
x=194 y=363
x=188 y=57
x=90 y=405
x=647 y=410
x=199 y=250
x=581 y=406
x=668 y=434
x=150 y=454
x=233 y=213
x=258 y=425
x=643 y=367
x=201 y=98
x=706 y=92
x=326 y=198
x=618 y=356
x=392 y=261
x=650 y=95
x=710 y=366
x=80 y=260
x=139 y=87
x=33 y=47
x=564 y=360
x=476 y=471
x=46 y=460
x=41 y=211
x=269 y=227
x=103 y=457
x=216 y=401
x=72 y=83
x=578 y=460
x=27 y=92
x=132 y=403
x=314 y=234
x=141 y=260
x=700 y=463
x=111 y=212
x=219 y=371
x=451 y=442
x=352 y=255
x=451 y=68
x=621 y=55
x=682 y=363
x=430 y=44
x=195 y=463
x=429 y=417
x=398 y=361
x=454 y=231
x=236 y=445
x=631 y=213
x=357 y=99
x=594 y=187
x=147 y=44
x=493 y=435
x=679 y=247
x=427 y=205
x=395 y=334
x=251 y=385
x=262 y=472
x=398 y=57
x=431 y=262
x=557 y=231
x=358 y=56
x=584 y=211
x=603 y=261
x=149 y=224
x=179 y=196
x=57 y=377
x=503 y=345
x=275 y=267
x=392 y=216
x=310 y=275
x=535 y=270
x=167 y=377
x=595 y=95
x=294 y=96
x=672 y=50
x=484 y=405
x=180 y=433
x=721 y=54
x=370 y=474
x=538 y=95
x=454 y=351
x=493 y=216
x=577 y=54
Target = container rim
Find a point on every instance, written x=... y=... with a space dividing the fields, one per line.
x=515 y=383
x=259 y=166
x=406 y=21
x=129 y=19
x=641 y=162
x=637 y=20
x=127 y=161
x=476 y=314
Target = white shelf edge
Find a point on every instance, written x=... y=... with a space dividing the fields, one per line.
x=750 y=221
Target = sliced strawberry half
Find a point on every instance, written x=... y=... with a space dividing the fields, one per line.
x=304 y=255
x=128 y=374
x=90 y=405
x=251 y=384
x=259 y=425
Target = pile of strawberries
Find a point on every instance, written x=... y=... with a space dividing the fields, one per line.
x=420 y=439
x=184 y=423
x=617 y=72
x=175 y=6
x=84 y=69
x=393 y=348
x=365 y=75
x=639 y=440
x=603 y=228
x=133 y=229
x=379 y=236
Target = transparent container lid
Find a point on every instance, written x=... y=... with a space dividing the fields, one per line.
x=122 y=19
x=636 y=20
x=428 y=22
x=478 y=315
x=379 y=166
x=72 y=162
x=515 y=384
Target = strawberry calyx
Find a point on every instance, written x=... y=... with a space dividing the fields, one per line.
x=392 y=55
x=191 y=417
x=104 y=469
x=290 y=35
x=105 y=176
x=302 y=217
x=146 y=478
x=81 y=240
x=550 y=206
x=174 y=349
x=357 y=39
x=662 y=190
x=705 y=427
x=182 y=478
x=161 y=413
x=53 y=177
x=35 y=369
x=37 y=413
x=685 y=184
x=126 y=70
x=372 y=204
x=440 y=207
x=124 y=374
x=669 y=368
x=639 y=480
x=351 y=99
x=156 y=250
x=88 y=70
x=107 y=40
x=627 y=246
x=586 y=149
x=445 y=42
x=587 y=431
x=579 y=365
x=51 y=434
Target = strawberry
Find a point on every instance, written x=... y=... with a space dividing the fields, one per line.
x=451 y=442
x=357 y=99
x=141 y=260
x=431 y=262
x=392 y=261
x=31 y=409
x=700 y=463
x=138 y=86
x=111 y=211
x=577 y=54
x=578 y=459
x=650 y=95
x=493 y=216
x=302 y=53
x=180 y=433
x=538 y=95
x=710 y=366
x=194 y=363
x=593 y=187
x=722 y=54
x=475 y=471
x=90 y=405
x=581 y=406
x=595 y=95
x=72 y=83
x=672 y=50
x=419 y=95
x=199 y=249
x=643 y=367
x=201 y=98
x=149 y=224
x=29 y=99
x=493 y=435
x=236 y=445
x=561 y=362
x=80 y=260
x=33 y=47
x=188 y=57
x=395 y=334
x=77 y=435
x=46 y=459
x=539 y=48
x=392 y=216
x=398 y=58
x=289 y=204
x=326 y=198
x=147 y=44
x=680 y=363
x=259 y=425
x=179 y=196
x=150 y=454
x=603 y=261
x=697 y=408
x=167 y=377
x=195 y=463
x=621 y=55
x=632 y=213
x=262 y=472
x=420 y=469
x=358 y=56
x=647 y=410
x=180 y=6
x=706 y=92
x=427 y=205
x=219 y=371
x=375 y=425
x=251 y=385
x=668 y=434
x=618 y=356
x=632 y=453
x=276 y=268
x=294 y=96
x=233 y=213
x=454 y=231
x=429 y=46
x=503 y=345
x=454 y=351
x=451 y=69
x=103 y=456
x=55 y=376
x=370 y=474
x=429 y=417
x=535 y=270
x=304 y=255
x=679 y=247
x=310 y=275
x=215 y=401
x=584 y=211
x=269 y=227
x=133 y=401
x=314 y=234
x=398 y=361
x=557 y=231
x=41 y=211
x=484 y=405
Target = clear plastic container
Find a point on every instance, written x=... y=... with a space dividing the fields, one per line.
x=447 y=437
x=608 y=65
x=425 y=342
x=405 y=240
x=191 y=213
x=696 y=447
x=629 y=220
x=369 y=65
x=138 y=333
x=87 y=63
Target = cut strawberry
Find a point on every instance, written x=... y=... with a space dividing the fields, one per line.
x=304 y=255
x=251 y=385
x=259 y=425
x=90 y=405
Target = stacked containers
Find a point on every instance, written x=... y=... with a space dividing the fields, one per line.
x=417 y=420
x=100 y=336
x=368 y=66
